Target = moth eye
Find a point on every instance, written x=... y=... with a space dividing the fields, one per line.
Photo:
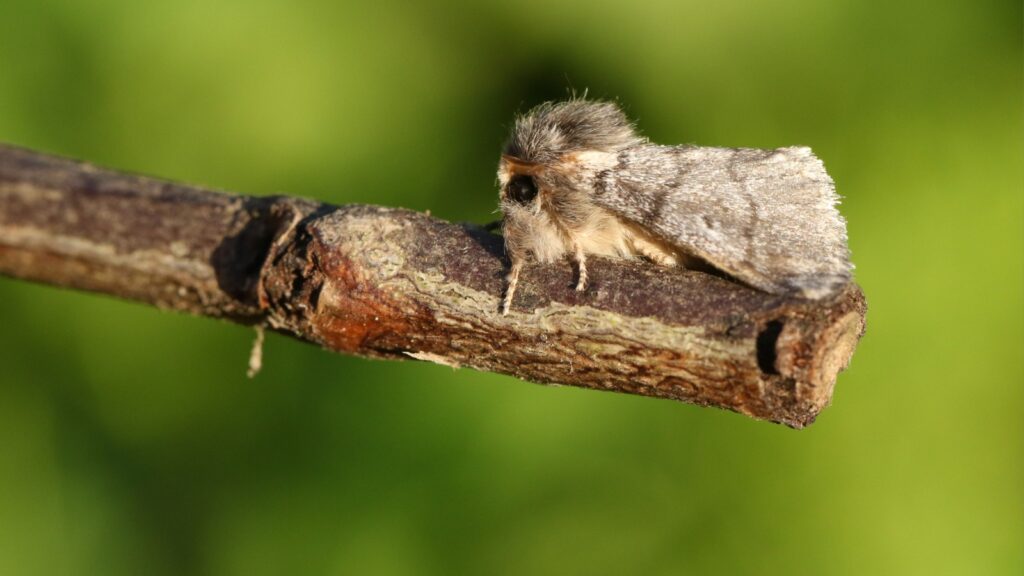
x=521 y=189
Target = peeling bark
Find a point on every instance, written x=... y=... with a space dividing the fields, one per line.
x=392 y=283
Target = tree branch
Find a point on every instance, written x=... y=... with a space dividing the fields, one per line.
x=392 y=283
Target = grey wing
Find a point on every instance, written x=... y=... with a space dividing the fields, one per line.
x=766 y=217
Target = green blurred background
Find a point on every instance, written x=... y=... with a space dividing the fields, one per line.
x=131 y=441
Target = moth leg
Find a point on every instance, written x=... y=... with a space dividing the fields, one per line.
x=581 y=261
x=654 y=253
x=510 y=290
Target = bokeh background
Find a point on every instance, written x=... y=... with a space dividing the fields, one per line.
x=131 y=441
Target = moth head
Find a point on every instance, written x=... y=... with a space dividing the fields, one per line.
x=525 y=225
x=552 y=130
x=545 y=140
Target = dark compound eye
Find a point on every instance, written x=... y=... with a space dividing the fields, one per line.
x=521 y=189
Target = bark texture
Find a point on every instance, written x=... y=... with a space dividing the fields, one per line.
x=392 y=283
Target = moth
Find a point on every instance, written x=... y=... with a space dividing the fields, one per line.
x=576 y=179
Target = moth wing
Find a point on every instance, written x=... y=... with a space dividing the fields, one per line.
x=765 y=217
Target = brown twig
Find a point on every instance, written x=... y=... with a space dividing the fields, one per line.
x=391 y=283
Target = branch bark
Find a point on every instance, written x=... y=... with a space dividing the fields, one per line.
x=392 y=283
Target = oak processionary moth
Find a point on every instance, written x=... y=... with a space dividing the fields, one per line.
x=577 y=179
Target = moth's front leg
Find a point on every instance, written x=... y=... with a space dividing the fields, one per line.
x=581 y=261
x=513 y=281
